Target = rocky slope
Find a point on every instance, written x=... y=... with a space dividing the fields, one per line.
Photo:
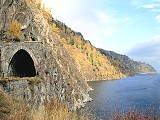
x=27 y=20
x=127 y=64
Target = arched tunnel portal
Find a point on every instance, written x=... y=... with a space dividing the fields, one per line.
x=22 y=65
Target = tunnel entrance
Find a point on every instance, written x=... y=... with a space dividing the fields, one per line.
x=22 y=65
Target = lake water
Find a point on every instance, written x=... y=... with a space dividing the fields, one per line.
x=140 y=92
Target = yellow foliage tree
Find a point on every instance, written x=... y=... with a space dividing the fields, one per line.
x=55 y=28
x=14 y=30
x=121 y=75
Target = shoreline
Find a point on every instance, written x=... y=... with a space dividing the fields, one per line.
x=122 y=77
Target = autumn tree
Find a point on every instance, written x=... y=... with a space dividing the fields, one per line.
x=55 y=28
x=14 y=30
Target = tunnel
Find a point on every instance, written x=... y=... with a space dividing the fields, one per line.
x=22 y=65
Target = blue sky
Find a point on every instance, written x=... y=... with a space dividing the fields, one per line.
x=130 y=27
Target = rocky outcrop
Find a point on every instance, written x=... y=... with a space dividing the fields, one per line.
x=35 y=92
x=60 y=77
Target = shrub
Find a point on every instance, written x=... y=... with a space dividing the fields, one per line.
x=11 y=109
x=14 y=30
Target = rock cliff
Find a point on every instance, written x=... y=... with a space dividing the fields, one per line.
x=60 y=77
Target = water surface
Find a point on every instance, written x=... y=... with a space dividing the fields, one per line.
x=140 y=92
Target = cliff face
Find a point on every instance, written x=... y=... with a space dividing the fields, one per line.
x=128 y=66
x=31 y=23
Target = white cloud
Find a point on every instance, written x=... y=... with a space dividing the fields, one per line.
x=135 y=3
x=153 y=6
x=155 y=10
x=75 y=14
x=150 y=6
x=106 y=18
x=148 y=52
x=107 y=22
x=110 y=19
x=156 y=38
x=146 y=4
x=110 y=22
x=156 y=0
x=126 y=20
x=157 y=18
x=67 y=9
x=109 y=32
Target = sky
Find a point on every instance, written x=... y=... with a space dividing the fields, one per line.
x=130 y=27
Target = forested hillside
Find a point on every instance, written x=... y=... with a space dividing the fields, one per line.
x=93 y=63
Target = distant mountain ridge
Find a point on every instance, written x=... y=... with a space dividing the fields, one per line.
x=133 y=67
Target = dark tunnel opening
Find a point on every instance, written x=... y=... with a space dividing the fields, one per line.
x=22 y=65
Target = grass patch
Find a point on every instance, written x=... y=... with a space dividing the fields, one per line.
x=135 y=115
x=11 y=109
x=56 y=111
